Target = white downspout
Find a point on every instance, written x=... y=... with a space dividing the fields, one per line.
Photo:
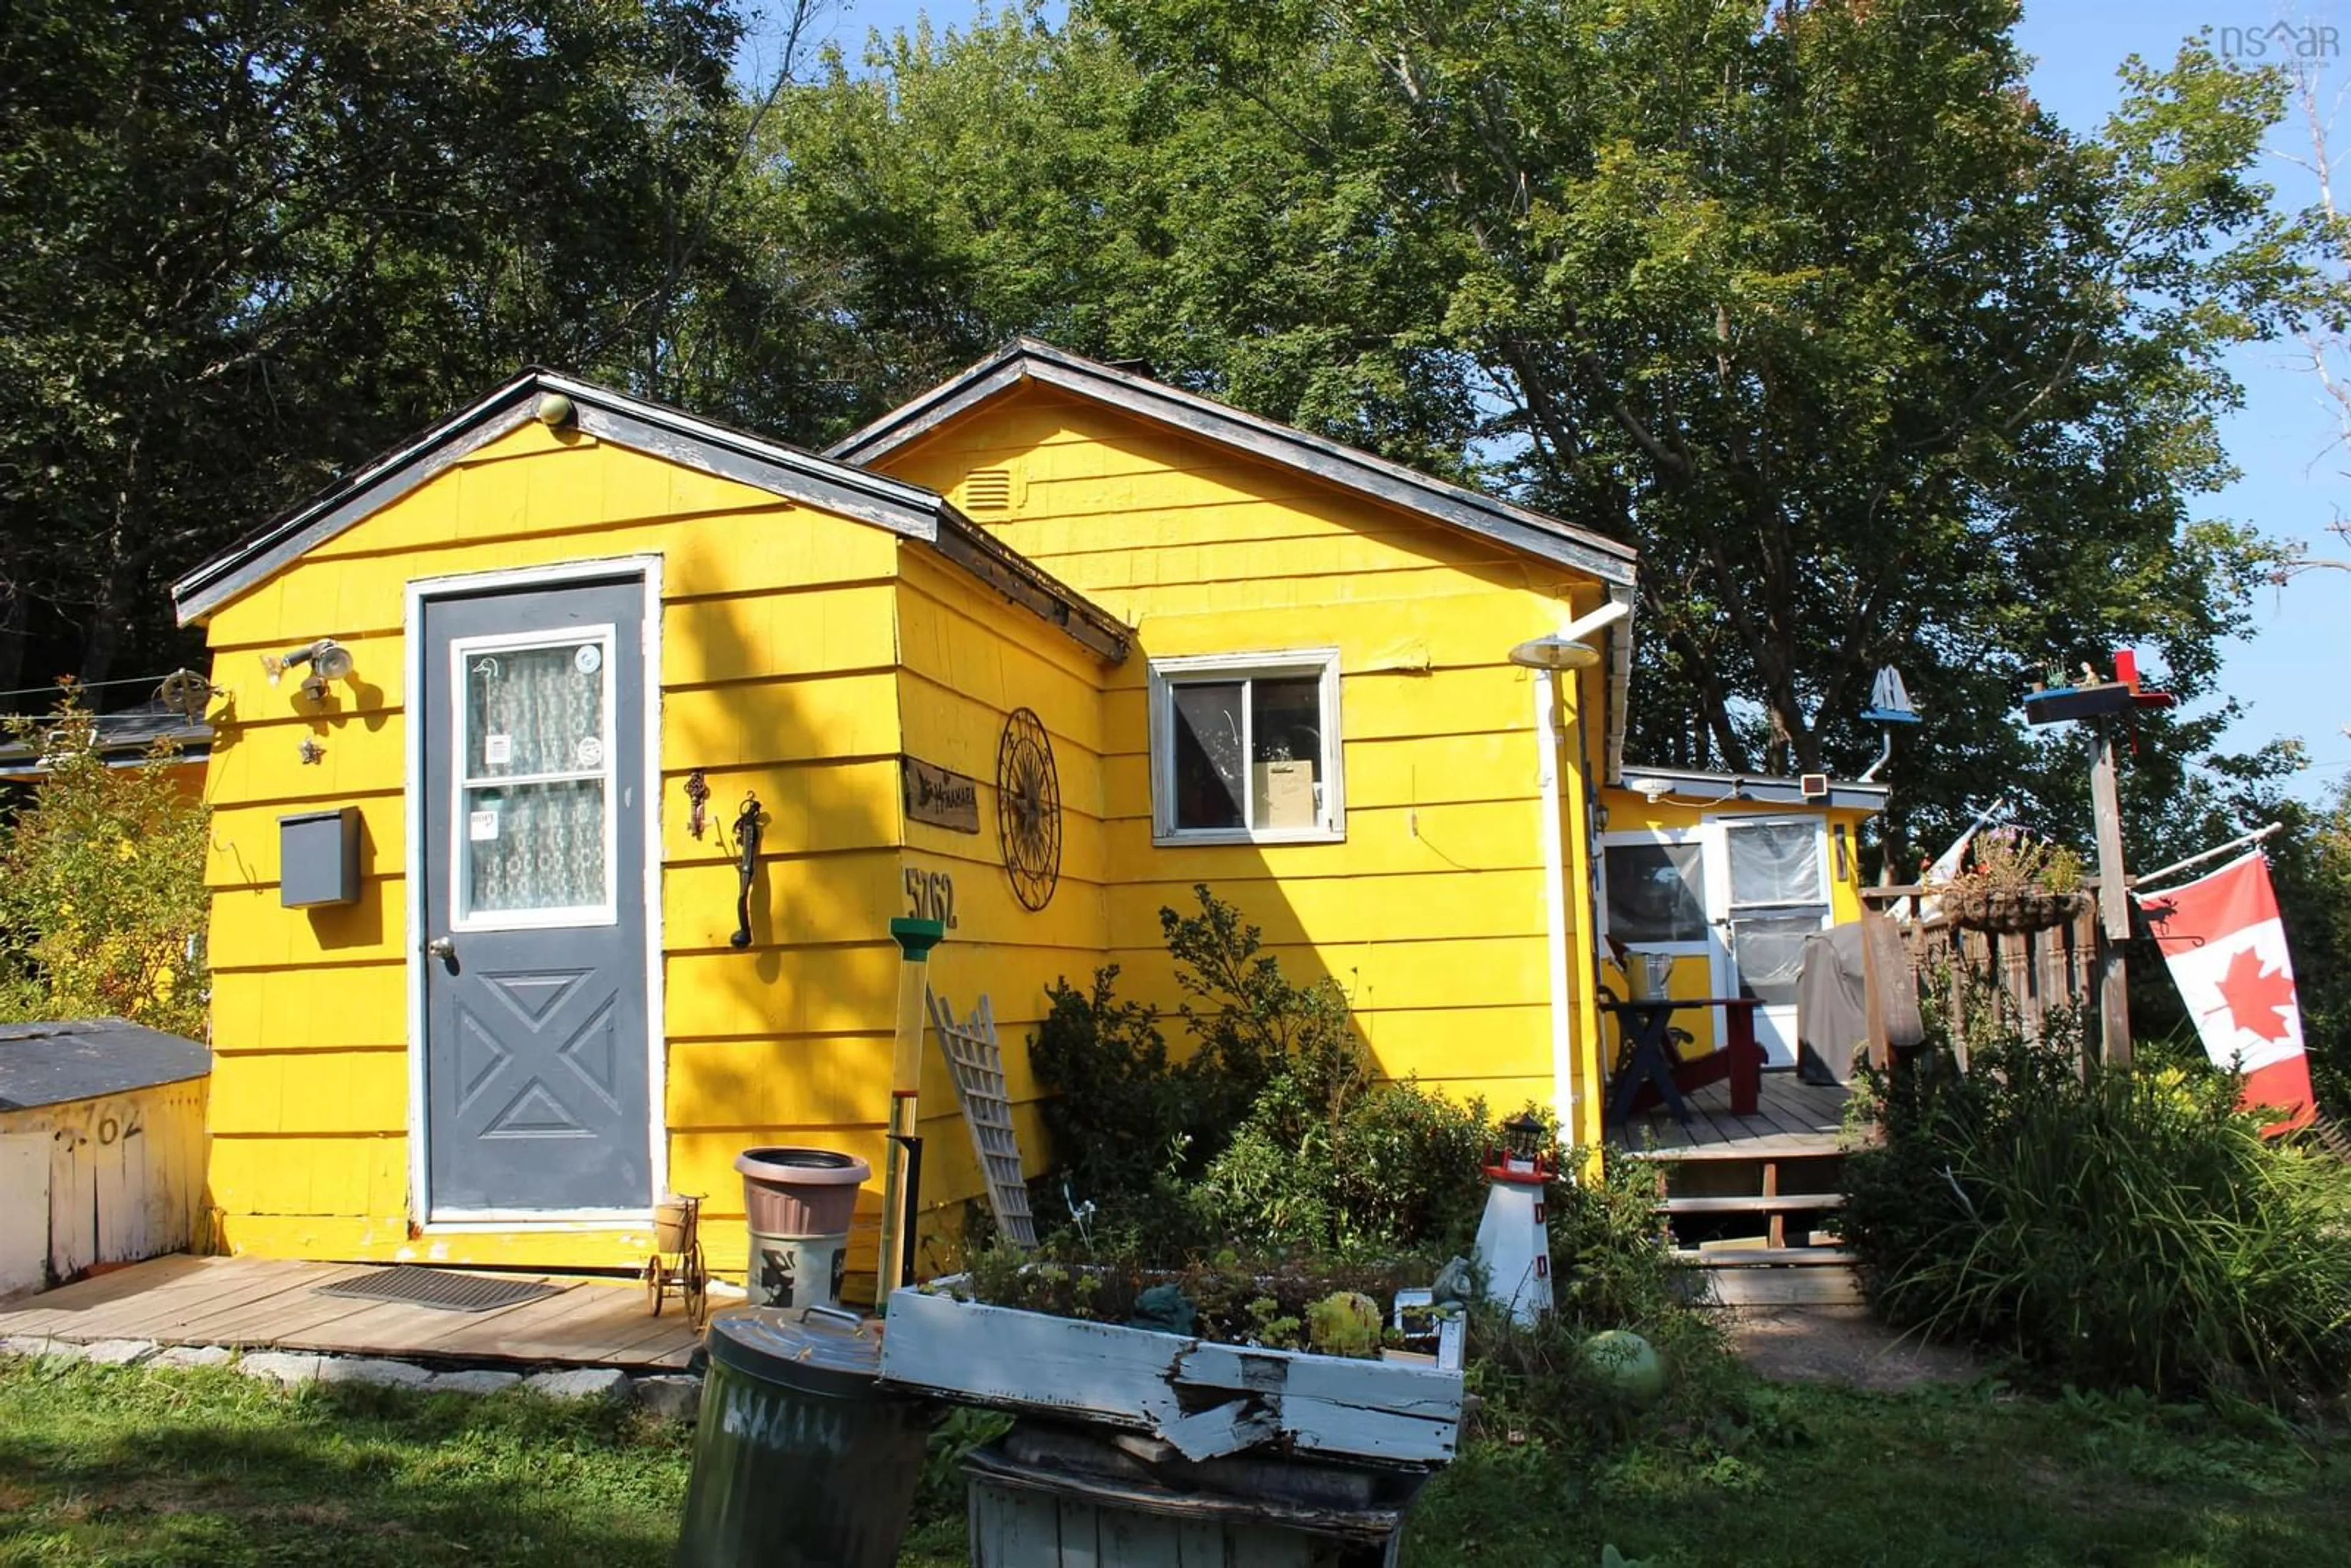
x=1555 y=926
x=1563 y=650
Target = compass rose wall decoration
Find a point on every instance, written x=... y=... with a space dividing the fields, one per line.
x=1028 y=808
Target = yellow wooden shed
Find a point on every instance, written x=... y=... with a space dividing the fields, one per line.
x=492 y=705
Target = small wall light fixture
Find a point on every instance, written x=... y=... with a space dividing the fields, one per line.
x=556 y=410
x=328 y=659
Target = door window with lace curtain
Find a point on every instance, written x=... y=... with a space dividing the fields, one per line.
x=534 y=780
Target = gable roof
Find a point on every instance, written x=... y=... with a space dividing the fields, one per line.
x=908 y=510
x=1347 y=468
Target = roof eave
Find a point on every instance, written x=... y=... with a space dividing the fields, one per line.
x=1026 y=359
x=901 y=507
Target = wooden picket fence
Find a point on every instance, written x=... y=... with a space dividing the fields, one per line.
x=2031 y=978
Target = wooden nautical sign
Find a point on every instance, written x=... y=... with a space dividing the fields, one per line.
x=940 y=796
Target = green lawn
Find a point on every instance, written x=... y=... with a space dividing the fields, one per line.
x=104 y=1466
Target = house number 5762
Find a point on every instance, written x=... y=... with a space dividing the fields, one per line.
x=930 y=895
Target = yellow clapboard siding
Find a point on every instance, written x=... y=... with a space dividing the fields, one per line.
x=1460 y=1042
x=780 y=721
x=1327 y=910
x=242 y=850
x=1153 y=602
x=757 y=636
x=775 y=1081
x=1422 y=770
x=310 y=1007
x=793 y=990
x=819 y=1081
x=764 y=549
x=310 y=1092
x=825 y=899
x=263 y=762
x=704 y=1162
x=1472 y=627
x=820 y=804
x=250 y=929
x=771 y=721
x=1432 y=973
x=349 y=1175
x=952 y=729
x=1480 y=836
x=986 y=910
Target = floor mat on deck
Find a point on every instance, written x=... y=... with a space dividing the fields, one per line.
x=412 y=1286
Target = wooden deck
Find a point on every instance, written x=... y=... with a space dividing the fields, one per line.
x=1793 y=1118
x=259 y=1303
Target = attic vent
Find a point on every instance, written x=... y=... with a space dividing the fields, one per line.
x=989 y=490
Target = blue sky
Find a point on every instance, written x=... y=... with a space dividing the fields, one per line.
x=2291 y=676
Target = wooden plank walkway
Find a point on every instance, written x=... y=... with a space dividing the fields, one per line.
x=1792 y=1119
x=273 y=1303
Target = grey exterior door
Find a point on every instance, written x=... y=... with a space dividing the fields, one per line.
x=537 y=1095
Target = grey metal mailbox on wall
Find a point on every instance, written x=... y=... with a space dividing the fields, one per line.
x=318 y=859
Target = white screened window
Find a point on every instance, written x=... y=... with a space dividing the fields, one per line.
x=1245 y=748
x=533 y=780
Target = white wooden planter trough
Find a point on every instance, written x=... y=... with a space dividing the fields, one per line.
x=1204 y=1399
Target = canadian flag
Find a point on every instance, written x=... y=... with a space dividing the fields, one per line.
x=2224 y=942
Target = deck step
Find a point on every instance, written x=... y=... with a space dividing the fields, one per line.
x=1785 y=1287
x=1785 y=1203
x=1766 y=1256
x=1782 y=1150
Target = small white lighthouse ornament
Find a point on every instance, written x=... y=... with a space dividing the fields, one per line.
x=1514 y=1238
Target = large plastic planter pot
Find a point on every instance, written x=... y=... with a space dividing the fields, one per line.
x=799 y=1203
x=800 y=1460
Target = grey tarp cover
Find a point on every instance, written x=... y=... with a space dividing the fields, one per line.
x=1832 y=1004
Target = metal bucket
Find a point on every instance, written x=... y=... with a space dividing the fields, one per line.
x=796 y=1270
x=800 y=1460
x=1646 y=975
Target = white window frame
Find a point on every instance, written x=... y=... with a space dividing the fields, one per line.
x=1289 y=664
x=1710 y=852
x=462 y=652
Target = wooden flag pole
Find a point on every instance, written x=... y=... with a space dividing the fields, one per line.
x=2114 y=904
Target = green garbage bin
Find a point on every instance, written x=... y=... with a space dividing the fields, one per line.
x=799 y=1460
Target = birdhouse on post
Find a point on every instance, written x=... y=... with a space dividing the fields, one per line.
x=1514 y=1238
x=2096 y=698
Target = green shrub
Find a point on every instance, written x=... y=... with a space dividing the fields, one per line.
x=2117 y=1229
x=102 y=901
x=1399 y=1168
x=1120 y=1113
x=1273 y=1128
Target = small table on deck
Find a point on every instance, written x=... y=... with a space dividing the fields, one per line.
x=1647 y=1062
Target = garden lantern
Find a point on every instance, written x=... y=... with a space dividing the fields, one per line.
x=1514 y=1237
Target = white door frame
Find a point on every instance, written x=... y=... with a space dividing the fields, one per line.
x=646 y=568
x=1716 y=826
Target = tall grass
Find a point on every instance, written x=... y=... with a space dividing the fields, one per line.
x=2114 y=1228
